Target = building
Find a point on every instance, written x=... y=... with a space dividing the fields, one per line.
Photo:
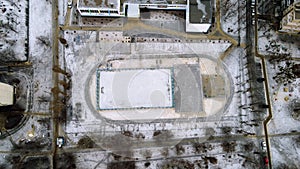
x=273 y=7
x=283 y=14
x=290 y=21
x=198 y=12
x=6 y=94
x=265 y=7
x=284 y=4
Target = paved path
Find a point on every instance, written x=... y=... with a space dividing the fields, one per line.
x=266 y=83
x=55 y=79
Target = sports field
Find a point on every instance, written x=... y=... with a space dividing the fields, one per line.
x=134 y=88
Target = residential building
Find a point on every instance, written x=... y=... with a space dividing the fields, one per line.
x=6 y=94
x=290 y=21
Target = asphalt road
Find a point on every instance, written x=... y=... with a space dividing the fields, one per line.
x=266 y=85
x=55 y=79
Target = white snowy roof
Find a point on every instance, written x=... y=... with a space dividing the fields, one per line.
x=6 y=94
x=133 y=11
x=194 y=27
x=137 y=88
x=201 y=27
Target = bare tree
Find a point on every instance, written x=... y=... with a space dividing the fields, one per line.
x=229 y=146
x=7 y=55
x=43 y=40
x=36 y=162
x=226 y=5
x=248 y=146
x=86 y=142
x=285 y=74
x=162 y=136
x=65 y=160
x=147 y=154
x=212 y=160
x=297 y=140
x=123 y=165
x=201 y=147
x=119 y=144
x=179 y=149
x=275 y=57
x=226 y=130
x=182 y=164
x=9 y=27
x=164 y=152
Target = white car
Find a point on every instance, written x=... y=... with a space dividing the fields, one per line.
x=70 y=2
x=263 y=146
x=60 y=141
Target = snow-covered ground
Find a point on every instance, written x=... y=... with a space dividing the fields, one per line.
x=41 y=53
x=283 y=99
x=157 y=157
x=14 y=30
x=38 y=79
x=135 y=89
x=233 y=18
x=241 y=105
x=284 y=150
x=272 y=41
x=62 y=8
x=36 y=132
x=84 y=54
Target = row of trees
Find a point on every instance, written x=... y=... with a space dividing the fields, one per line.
x=8 y=30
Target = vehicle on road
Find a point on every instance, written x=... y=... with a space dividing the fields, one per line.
x=60 y=141
x=70 y=3
x=266 y=160
x=253 y=12
x=263 y=146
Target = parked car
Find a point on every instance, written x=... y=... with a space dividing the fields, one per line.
x=70 y=2
x=263 y=146
x=60 y=141
x=266 y=160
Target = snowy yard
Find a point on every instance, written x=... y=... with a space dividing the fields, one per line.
x=284 y=149
x=285 y=152
x=233 y=17
x=283 y=99
x=271 y=42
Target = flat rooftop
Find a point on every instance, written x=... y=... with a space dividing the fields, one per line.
x=6 y=94
x=134 y=88
x=107 y=3
x=98 y=3
x=200 y=11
